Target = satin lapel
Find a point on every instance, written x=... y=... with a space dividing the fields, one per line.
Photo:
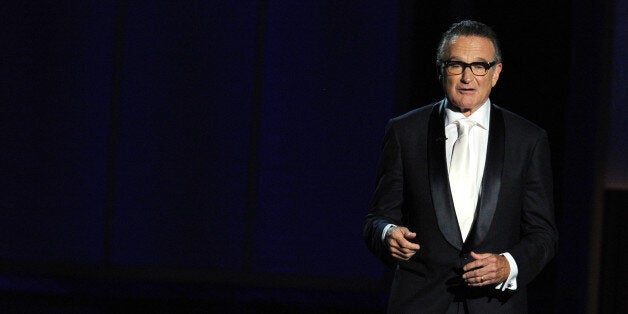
x=439 y=181
x=491 y=181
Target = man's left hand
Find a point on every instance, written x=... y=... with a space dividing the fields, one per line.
x=486 y=269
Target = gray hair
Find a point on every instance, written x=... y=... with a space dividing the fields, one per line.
x=467 y=28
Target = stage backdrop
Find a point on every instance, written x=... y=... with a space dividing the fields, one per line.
x=230 y=143
x=224 y=152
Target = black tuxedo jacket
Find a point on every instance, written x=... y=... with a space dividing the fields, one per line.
x=514 y=214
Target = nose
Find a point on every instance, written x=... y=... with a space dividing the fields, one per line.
x=467 y=76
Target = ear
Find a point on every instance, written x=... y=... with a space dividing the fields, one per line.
x=439 y=74
x=496 y=72
x=441 y=80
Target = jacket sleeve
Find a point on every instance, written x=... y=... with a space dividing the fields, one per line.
x=387 y=200
x=539 y=235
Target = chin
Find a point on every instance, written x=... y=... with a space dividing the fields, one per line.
x=463 y=107
x=469 y=105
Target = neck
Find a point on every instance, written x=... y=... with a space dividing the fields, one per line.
x=465 y=111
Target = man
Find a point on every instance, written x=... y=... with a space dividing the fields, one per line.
x=463 y=205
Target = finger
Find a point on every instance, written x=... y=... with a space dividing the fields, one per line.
x=475 y=274
x=400 y=231
x=407 y=244
x=481 y=260
x=397 y=237
x=405 y=250
x=397 y=254
x=405 y=240
x=402 y=251
x=470 y=276
x=479 y=281
x=478 y=256
x=410 y=235
x=474 y=281
x=401 y=255
x=486 y=279
x=411 y=246
x=473 y=265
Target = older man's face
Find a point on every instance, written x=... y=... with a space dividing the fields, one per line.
x=468 y=91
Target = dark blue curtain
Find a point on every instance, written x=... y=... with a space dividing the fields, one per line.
x=221 y=137
x=187 y=83
x=328 y=89
x=56 y=91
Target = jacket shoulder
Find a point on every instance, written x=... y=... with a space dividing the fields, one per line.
x=418 y=116
x=519 y=124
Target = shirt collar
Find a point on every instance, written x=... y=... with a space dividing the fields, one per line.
x=480 y=116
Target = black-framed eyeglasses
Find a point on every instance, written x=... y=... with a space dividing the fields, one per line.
x=477 y=68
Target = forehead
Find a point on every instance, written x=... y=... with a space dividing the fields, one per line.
x=470 y=47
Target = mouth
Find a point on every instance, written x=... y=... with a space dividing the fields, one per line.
x=466 y=90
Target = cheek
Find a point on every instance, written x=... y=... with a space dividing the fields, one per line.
x=487 y=85
x=450 y=83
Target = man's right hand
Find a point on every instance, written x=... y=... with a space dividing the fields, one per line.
x=399 y=245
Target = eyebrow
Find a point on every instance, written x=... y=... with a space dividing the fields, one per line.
x=460 y=60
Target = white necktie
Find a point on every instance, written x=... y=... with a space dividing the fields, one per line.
x=462 y=178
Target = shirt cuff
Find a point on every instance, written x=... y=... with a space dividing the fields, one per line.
x=511 y=282
x=388 y=226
